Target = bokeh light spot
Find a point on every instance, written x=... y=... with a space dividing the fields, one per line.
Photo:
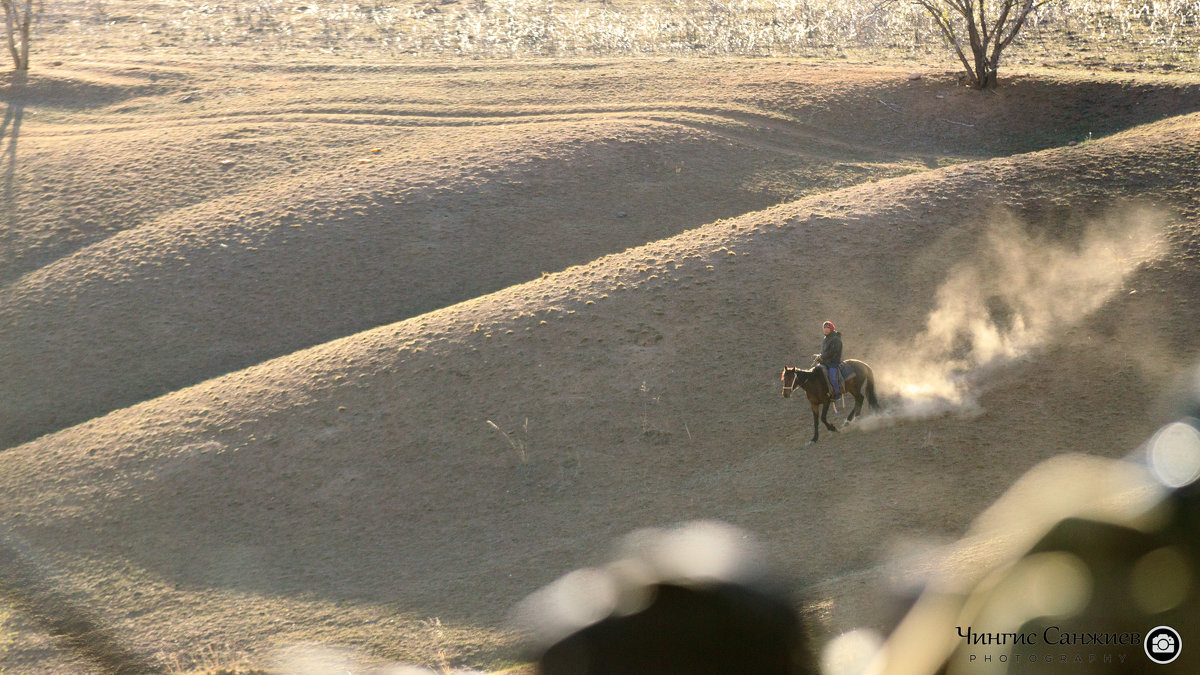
x=1160 y=580
x=1174 y=455
x=851 y=653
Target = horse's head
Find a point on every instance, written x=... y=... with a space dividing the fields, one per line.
x=791 y=380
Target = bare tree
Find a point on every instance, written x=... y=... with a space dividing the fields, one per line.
x=990 y=26
x=18 y=15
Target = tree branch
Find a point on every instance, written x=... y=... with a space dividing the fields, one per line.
x=1001 y=40
x=947 y=29
x=1017 y=24
x=983 y=23
x=10 y=32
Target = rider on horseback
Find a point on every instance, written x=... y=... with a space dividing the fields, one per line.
x=830 y=358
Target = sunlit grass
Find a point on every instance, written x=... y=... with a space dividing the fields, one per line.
x=1166 y=30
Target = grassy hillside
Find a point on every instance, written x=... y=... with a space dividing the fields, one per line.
x=397 y=490
x=171 y=225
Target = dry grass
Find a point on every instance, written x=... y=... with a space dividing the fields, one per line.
x=347 y=494
x=516 y=444
x=212 y=660
x=1164 y=32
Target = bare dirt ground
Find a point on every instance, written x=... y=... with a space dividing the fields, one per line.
x=256 y=319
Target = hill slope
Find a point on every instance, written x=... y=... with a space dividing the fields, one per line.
x=171 y=224
x=353 y=492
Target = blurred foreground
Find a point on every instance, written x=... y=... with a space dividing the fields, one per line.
x=1085 y=564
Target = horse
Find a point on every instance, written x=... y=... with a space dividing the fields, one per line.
x=819 y=395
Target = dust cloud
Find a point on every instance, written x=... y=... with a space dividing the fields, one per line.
x=1007 y=299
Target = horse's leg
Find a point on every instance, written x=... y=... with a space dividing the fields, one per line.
x=858 y=401
x=816 y=427
x=824 y=412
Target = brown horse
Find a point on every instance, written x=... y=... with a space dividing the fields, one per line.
x=819 y=396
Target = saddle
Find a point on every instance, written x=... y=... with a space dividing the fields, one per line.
x=844 y=373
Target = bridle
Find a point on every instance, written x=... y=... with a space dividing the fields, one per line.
x=795 y=373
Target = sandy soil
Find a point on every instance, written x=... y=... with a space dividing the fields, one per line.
x=359 y=357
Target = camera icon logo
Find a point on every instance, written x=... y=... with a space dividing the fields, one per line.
x=1163 y=644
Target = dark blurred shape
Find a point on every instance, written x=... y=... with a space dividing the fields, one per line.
x=1074 y=569
x=694 y=601
x=713 y=628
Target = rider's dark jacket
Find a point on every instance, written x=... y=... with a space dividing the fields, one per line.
x=831 y=349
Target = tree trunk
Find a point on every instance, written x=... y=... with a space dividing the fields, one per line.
x=26 y=20
x=984 y=74
x=17 y=20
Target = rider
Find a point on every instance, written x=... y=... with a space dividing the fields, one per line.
x=830 y=357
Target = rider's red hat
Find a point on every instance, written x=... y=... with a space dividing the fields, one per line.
x=828 y=324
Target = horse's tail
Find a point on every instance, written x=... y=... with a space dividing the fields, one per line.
x=869 y=388
x=871 y=398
